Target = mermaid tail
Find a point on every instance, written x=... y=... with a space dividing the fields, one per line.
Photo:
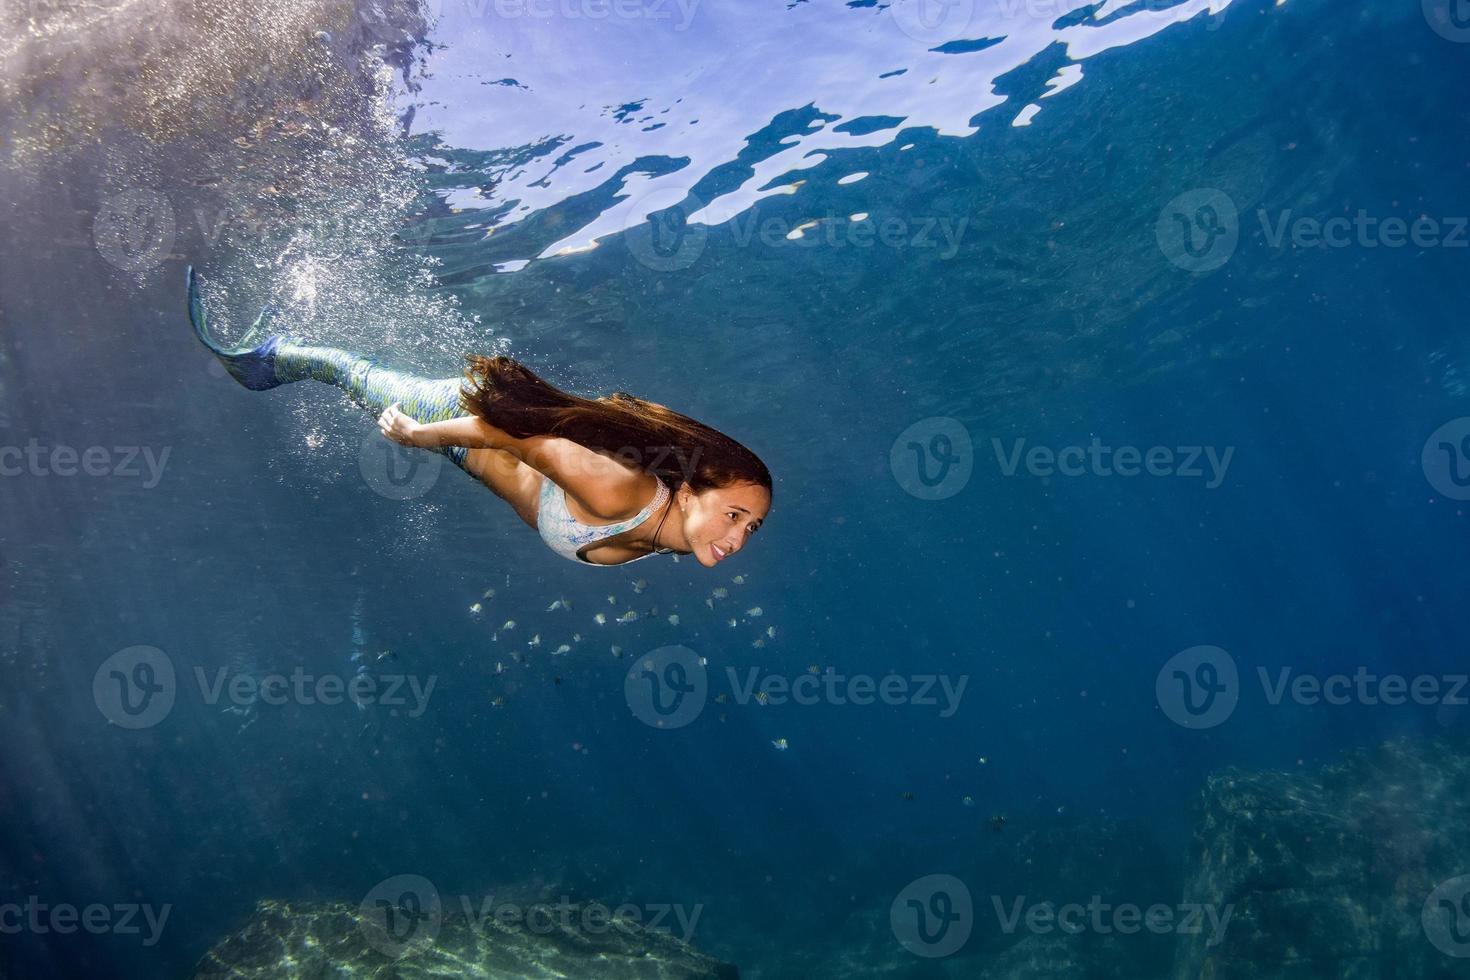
x=252 y=364
x=278 y=359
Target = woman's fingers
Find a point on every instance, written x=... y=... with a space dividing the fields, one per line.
x=390 y=423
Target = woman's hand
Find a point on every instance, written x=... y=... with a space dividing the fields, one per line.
x=399 y=427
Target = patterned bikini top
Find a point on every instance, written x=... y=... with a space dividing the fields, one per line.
x=566 y=535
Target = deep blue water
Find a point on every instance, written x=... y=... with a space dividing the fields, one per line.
x=1054 y=315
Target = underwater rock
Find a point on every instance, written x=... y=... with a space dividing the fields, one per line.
x=285 y=940
x=1328 y=872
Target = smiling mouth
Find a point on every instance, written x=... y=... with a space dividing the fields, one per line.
x=719 y=555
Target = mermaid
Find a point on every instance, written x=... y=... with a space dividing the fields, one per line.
x=605 y=481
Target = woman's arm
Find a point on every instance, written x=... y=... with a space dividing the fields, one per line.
x=469 y=431
x=603 y=487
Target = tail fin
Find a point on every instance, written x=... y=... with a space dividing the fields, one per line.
x=251 y=364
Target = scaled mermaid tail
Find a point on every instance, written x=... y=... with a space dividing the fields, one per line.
x=261 y=364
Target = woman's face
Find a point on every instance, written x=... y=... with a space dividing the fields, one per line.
x=719 y=521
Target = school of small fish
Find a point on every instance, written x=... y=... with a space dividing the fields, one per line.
x=651 y=614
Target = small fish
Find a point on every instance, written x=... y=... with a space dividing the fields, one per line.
x=813 y=669
x=576 y=637
x=489 y=594
x=617 y=651
x=534 y=641
x=600 y=619
x=510 y=624
x=710 y=603
x=386 y=655
x=704 y=661
x=720 y=593
x=640 y=585
x=497 y=702
x=761 y=697
x=732 y=624
x=475 y=609
x=968 y=801
x=771 y=632
x=673 y=619
x=722 y=698
x=499 y=668
x=997 y=823
x=755 y=611
x=907 y=797
x=495 y=637
x=759 y=642
x=984 y=760
x=738 y=580
x=563 y=649
x=558 y=604
x=628 y=617
x=612 y=600
x=780 y=744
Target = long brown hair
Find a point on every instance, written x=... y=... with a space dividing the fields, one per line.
x=646 y=435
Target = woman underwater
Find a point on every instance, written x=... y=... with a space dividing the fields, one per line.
x=604 y=481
